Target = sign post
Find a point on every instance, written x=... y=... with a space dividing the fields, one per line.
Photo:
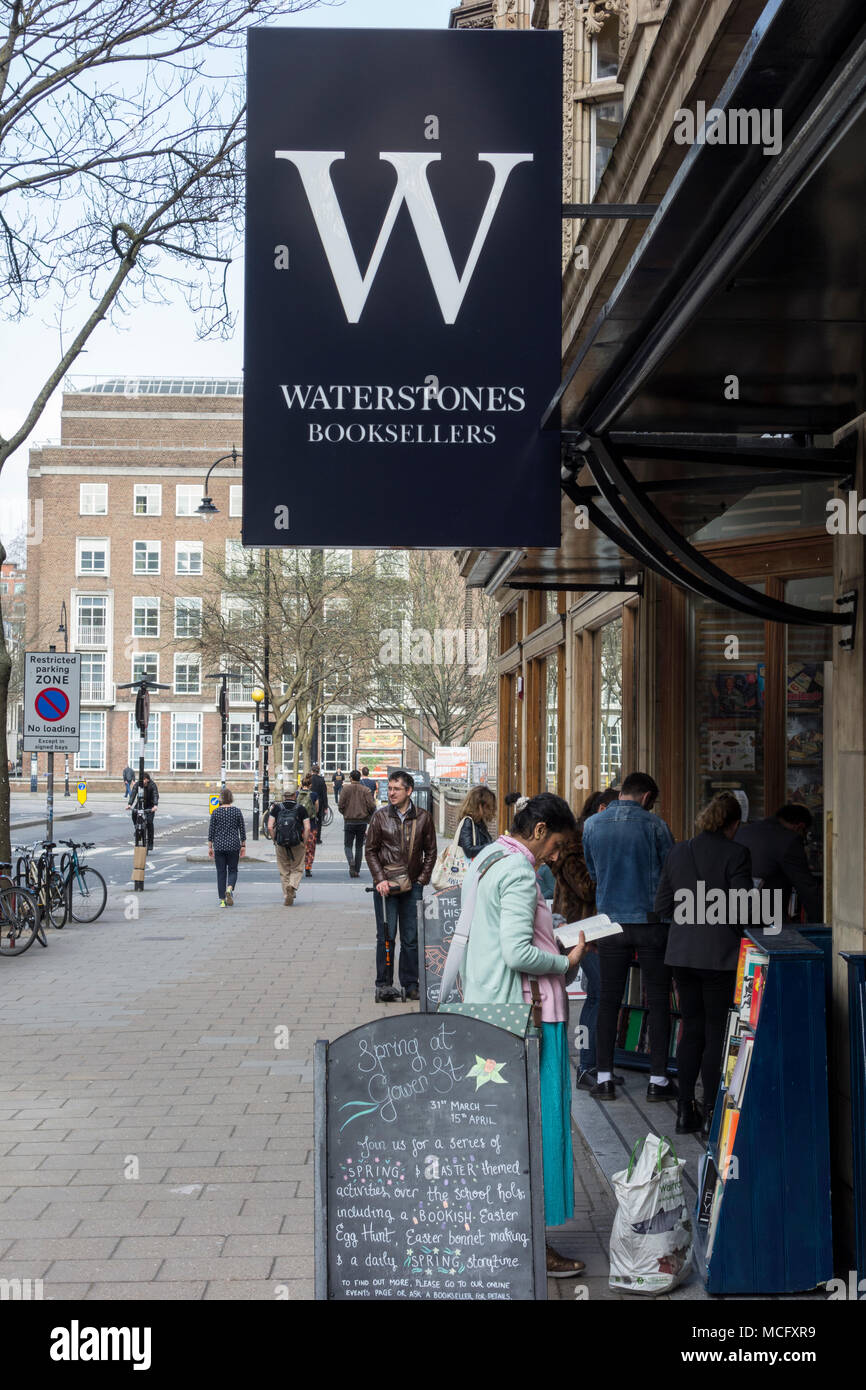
x=52 y=711
x=142 y=690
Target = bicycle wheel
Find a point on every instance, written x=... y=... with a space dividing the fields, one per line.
x=87 y=895
x=55 y=897
x=328 y=816
x=19 y=920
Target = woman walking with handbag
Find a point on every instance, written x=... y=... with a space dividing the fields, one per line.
x=227 y=843
x=307 y=798
x=511 y=947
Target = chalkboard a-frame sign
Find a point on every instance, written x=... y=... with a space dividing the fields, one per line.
x=438 y=915
x=428 y=1162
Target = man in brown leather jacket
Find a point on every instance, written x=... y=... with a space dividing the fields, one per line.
x=400 y=835
x=356 y=805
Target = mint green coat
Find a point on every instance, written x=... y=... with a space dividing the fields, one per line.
x=500 y=948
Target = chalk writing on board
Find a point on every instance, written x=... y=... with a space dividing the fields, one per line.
x=441 y=914
x=428 y=1171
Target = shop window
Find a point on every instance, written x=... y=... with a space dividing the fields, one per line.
x=507 y=631
x=610 y=703
x=807 y=706
x=729 y=691
x=552 y=717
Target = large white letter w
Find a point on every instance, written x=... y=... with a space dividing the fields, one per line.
x=314 y=167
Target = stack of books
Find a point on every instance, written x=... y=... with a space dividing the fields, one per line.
x=736 y=1060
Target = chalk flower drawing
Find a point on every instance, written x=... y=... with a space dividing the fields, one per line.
x=485 y=1071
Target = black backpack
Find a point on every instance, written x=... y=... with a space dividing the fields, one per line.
x=287 y=831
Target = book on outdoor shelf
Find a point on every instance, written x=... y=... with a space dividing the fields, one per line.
x=741 y=1071
x=734 y=1044
x=753 y=960
x=708 y=1191
x=593 y=928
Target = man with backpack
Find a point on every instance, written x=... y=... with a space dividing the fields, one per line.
x=289 y=828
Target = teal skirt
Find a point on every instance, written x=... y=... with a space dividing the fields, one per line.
x=558 y=1160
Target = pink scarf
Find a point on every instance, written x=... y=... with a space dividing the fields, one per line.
x=554 y=1000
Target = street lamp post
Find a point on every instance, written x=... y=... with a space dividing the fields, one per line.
x=223 y=706
x=257 y=695
x=64 y=629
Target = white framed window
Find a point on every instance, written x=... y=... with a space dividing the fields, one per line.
x=145 y=664
x=147 y=499
x=392 y=564
x=186 y=742
x=338 y=563
x=91 y=620
x=91 y=752
x=188 y=557
x=236 y=495
x=93 y=499
x=187 y=617
x=604 y=49
x=146 y=557
x=237 y=612
x=605 y=122
x=337 y=742
x=91 y=556
x=187 y=498
x=240 y=744
x=151 y=747
x=239 y=690
x=93 y=676
x=187 y=673
x=239 y=558
x=145 y=617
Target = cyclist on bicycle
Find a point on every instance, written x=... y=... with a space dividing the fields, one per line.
x=150 y=794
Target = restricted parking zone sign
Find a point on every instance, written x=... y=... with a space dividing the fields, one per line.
x=52 y=700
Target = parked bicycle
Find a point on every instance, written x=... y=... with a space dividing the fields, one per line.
x=34 y=870
x=83 y=886
x=20 y=918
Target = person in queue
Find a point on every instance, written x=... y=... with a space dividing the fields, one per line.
x=703 y=956
x=511 y=943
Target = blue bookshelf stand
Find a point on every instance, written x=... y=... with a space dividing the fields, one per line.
x=774 y=1227
x=857 y=1033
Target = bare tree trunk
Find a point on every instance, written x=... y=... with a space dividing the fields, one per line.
x=5 y=673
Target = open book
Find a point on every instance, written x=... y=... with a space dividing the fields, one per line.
x=568 y=933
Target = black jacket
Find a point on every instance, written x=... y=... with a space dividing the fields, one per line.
x=779 y=858
x=151 y=795
x=319 y=789
x=474 y=837
x=719 y=863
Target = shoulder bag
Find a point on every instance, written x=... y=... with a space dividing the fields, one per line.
x=452 y=865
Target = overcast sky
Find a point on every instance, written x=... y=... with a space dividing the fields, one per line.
x=155 y=341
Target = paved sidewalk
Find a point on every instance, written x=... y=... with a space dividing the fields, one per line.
x=156 y=1123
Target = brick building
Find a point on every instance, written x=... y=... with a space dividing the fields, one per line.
x=121 y=568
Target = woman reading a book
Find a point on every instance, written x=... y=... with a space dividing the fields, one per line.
x=511 y=946
x=703 y=953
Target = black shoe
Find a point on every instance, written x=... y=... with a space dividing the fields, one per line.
x=412 y=992
x=387 y=994
x=587 y=1079
x=689 y=1117
x=656 y=1092
x=707 y=1125
x=603 y=1090
x=308 y=873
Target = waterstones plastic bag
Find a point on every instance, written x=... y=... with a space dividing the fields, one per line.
x=651 y=1240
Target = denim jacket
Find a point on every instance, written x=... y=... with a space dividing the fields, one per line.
x=625 y=848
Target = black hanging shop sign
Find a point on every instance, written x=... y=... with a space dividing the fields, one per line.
x=403 y=288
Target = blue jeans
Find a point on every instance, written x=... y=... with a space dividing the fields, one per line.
x=397 y=910
x=591 y=967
